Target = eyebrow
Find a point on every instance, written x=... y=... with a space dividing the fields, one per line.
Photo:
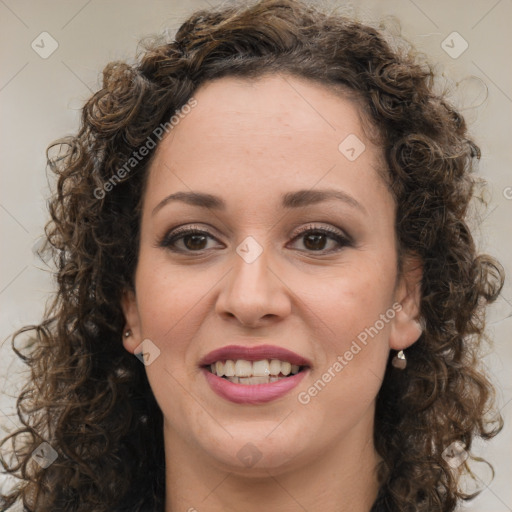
x=297 y=199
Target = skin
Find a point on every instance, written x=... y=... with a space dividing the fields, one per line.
x=249 y=142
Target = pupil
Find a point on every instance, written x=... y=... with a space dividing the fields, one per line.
x=318 y=239
x=197 y=241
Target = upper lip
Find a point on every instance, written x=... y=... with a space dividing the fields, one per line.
x=253 y=354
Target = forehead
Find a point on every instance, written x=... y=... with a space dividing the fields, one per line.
x=274 y=130
x=272 y=105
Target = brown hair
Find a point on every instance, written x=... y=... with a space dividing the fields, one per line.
x=90 y=399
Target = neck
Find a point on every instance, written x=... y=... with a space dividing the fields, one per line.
x=342 y=479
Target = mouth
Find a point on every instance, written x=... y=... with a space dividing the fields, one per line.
x=263 y=371
x=253 y=375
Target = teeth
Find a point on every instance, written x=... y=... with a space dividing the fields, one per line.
x=243 y=370
x=275 y=367
x=254 y=380
x=229 y=368
x=260 y=368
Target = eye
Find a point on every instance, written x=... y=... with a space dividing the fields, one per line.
x=314 y=239
x=317 y=239
x=187 y=239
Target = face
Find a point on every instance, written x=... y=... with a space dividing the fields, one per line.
x=266 y=222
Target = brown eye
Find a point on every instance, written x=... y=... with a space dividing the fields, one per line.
x=186 y=240
x=315 y=242
x=324 y=240
x=321 y=240
x=194 y=242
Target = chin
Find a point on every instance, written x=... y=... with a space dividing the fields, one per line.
x=256 y=451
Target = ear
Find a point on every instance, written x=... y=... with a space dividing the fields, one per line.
x=131 y=315
x=406 y=328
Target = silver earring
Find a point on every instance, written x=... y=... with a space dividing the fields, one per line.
x=399 y=361
x=127 y=333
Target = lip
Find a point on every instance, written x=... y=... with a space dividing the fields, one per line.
x=252 y=393
x=253 y=354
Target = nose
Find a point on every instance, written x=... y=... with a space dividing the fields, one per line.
x=253 y=294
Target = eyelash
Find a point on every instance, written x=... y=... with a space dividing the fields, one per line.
x=178 y=234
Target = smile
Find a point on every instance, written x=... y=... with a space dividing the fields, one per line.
x=253 y=374
x=265 y=371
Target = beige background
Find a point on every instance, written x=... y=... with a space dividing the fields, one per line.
x=41 y=99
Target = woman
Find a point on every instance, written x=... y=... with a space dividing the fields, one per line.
x=269 y=297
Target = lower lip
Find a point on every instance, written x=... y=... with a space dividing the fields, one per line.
x=252 y=393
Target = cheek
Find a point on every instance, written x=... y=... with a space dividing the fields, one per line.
x=352 y=299
x=352 y=346
x=171 y=304
x=167 y=296
x=350 y=336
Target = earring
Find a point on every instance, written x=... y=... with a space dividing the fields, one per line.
x=399 y=361
x=127 y=333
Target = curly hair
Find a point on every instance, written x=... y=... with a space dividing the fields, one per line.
x=90 y=399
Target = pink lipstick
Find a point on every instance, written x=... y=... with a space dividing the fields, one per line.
x=280 y=370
